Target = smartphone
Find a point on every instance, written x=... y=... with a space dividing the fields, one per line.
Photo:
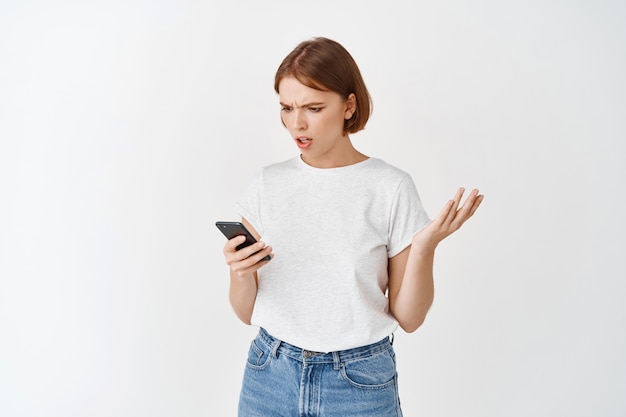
x=233 y=229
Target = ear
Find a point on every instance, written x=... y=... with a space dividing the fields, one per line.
x=350 y=106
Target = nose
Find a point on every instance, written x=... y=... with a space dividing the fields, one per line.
x=299 y=122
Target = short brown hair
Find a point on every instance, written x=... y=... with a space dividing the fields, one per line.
x=324 y=64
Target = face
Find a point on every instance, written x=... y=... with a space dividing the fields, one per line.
x=315 y=120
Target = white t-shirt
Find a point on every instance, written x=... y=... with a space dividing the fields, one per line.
x=332 y=232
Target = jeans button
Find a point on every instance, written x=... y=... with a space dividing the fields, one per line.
x=307 y=354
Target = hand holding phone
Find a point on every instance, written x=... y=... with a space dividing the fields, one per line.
x=234 y=229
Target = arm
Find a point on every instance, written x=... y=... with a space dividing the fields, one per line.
x=411 y=287
x=243 y=265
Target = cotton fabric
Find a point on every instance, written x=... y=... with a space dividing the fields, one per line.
x=332 y=232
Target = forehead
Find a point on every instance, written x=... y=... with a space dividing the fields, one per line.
x=290 y=90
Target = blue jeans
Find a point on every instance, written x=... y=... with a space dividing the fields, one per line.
x=282 y=380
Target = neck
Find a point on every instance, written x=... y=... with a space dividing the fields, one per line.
x=337 y=157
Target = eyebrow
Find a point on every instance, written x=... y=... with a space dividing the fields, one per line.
x=313 y=104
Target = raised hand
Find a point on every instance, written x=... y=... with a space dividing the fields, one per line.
x=449 y=220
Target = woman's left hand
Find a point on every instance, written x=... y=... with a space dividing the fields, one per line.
x=449 y=220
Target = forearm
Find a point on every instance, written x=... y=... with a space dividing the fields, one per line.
x=415 y=295
x=242 y=295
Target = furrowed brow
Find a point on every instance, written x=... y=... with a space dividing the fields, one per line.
x=312 y=104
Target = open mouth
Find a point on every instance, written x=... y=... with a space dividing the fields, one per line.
x=304 y=140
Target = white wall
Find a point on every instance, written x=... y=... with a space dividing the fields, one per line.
x=128 y=128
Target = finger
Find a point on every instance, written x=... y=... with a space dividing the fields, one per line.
x=444 y=213
x=469 y=202
x=472 y=203
x=467 y=209
x=230 y=248
x=260 y=255
x=255 y=261
x=455 y=204
x=479 y=200
x=248 y=251
x=231 y=244
x=233 y=255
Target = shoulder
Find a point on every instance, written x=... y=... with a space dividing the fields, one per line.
x=385 y=170
x=280 y=168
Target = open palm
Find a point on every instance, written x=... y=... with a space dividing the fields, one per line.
x=449 y=220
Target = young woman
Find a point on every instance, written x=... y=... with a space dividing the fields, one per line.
x=351 y=253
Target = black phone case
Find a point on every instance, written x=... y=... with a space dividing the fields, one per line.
x=233 y=229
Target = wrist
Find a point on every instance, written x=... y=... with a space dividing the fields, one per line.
x=423 y=248
x=243 y=279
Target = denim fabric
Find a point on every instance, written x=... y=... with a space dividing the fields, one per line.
x=282 y=380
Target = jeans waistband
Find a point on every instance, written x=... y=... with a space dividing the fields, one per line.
x=278 y=347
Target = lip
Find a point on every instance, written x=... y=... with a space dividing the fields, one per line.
x=303 y=145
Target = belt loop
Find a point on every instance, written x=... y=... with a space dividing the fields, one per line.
x=336 y=361
x=277 y=343
x=391 y=338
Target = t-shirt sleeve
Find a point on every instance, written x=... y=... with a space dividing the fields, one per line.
x=249 y=203
x=408 y=216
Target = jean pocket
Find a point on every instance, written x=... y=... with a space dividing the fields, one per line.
x=372 y=372
x=258 y=355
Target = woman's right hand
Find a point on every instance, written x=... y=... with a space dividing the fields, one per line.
x=248 y=260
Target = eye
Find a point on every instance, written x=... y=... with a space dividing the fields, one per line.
x=315 y=109
x=285 y=109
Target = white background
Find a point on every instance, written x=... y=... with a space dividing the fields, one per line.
x=127 y=128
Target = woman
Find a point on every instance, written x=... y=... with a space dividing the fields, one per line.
x=351 y=253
